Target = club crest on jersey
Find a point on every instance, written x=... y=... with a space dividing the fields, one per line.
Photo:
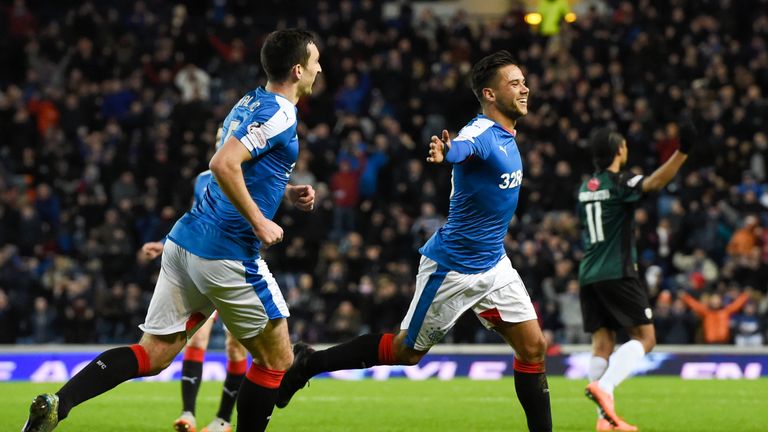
x=593 y=184
x=256 y=135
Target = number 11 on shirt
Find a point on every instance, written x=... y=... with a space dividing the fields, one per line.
x=595 y=222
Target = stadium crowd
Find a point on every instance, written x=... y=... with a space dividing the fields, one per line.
x=108 y=110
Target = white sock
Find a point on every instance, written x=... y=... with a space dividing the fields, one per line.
x=623 y=362
x=597 y=366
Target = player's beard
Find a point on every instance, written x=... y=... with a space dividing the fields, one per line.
x=510 y=110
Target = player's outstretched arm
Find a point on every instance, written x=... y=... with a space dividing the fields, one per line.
x=695 y=305
x=449 y=151
x=226 y=166
x=665 y=173
x=438 y=148
x=738 y=303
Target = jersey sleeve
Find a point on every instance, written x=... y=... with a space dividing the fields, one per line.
x=263 y=131
x=466 y=145
x=631 y=187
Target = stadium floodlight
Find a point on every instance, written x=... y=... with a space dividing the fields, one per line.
x=533 y=18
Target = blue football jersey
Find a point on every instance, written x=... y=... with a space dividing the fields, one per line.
x=486 y=178
x=201 y=184
x=265 y=123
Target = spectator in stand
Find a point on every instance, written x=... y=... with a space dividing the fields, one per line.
x=697 y=262
x=747 y=327
x=9 y=320
x=194 y=83
x=387 y=307
x=345 y=322
x=715 y=318
x=667 y=142
x=345 y=189
x=48 y=206
x=570 y=314
x=352 y=95
x=674 y=323
x=41 y=324
x=745 y=239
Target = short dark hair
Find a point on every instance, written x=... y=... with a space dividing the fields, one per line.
x=282 y=50
x=605 y=145
x=485 y=70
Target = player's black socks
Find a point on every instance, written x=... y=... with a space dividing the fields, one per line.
x=257 y=397
x=533 y=392
x=191 y=377
x=232 y=383
x=106 y=371
x=359 y=353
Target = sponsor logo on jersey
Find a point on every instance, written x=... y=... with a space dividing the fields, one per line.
x=593 y=184
x=256 y=135
x=504 y=149
x=511 y=180
x=600 y=195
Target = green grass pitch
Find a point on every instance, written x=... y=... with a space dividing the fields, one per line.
x=653 y=403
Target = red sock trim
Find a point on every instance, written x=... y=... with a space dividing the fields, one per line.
x=194 y=354
x=237 y=367
x=264 y=377
x=386 y=349
x=142 y=358
x=525 y=367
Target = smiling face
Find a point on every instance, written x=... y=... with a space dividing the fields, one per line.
x=509 y=94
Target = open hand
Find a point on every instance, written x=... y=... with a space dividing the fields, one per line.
x=438 y=148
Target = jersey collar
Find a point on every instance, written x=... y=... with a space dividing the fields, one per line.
x=263 y=89
x=513 y=132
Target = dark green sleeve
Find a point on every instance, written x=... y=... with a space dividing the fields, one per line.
x=630 y=187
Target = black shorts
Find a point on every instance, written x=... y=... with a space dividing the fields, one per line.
x=615 y=304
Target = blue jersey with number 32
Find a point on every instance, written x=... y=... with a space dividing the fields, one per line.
x=487 y=174
x=265 y=123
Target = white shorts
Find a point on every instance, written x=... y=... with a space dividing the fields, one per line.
x=442 y=296
x=189 y=288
